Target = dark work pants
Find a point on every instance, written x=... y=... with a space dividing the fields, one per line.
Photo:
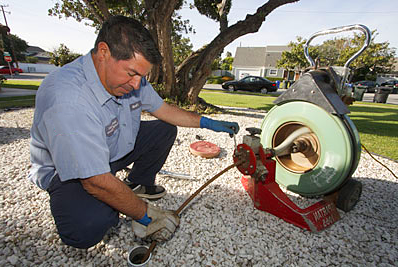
x=81 y=219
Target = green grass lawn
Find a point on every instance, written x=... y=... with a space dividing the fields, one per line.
x=378 y=127
x=377 y=123
x=17 y=101
x=238 y=99
x=32 y=85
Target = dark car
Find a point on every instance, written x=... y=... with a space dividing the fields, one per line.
x=6 y=70
x=391 y=83
x=251 y=83
x=368 y=85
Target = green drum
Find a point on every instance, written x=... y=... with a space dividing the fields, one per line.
x=328 y=155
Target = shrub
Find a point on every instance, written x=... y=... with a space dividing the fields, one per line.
x=273 y=79
x=215 y=80
x=227 y=78
x=2 y=80
x=32 y=59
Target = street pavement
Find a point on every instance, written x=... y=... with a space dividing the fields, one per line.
x=27 y=76
x=7 y=92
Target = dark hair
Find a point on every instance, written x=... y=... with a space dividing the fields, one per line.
x=126 y=36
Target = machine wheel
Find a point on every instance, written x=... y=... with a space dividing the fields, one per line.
x=263 y=90
x=329 y=154
x=231 y=88
x=349 y=195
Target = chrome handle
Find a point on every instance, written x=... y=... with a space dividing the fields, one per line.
x=360 y=27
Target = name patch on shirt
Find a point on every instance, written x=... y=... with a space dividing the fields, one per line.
x=112 y=127
x=135 y=105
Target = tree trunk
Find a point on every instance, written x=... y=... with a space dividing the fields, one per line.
x=199 y=64
x=155 y=74
x=159 y=14
x=165 y=47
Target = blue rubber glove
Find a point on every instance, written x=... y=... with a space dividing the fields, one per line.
x=219 y=126
x=144 y=220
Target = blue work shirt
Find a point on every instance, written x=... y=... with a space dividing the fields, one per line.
x=79 y=128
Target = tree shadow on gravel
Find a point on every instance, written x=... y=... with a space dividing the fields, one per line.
x=10 y=134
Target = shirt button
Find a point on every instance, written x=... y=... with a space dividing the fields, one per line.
x=124 y=124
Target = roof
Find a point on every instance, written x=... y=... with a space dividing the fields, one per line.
x=258 y=56
x=33 y=50
x=249 y=56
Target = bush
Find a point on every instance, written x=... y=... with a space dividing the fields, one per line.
x=215 y=80
x=32 y=59
x=273 y=79
x=2 y=80
x=227 y=78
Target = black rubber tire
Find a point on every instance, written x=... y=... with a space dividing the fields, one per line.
x=349 y=195
x=231 y=88
x=264 y=91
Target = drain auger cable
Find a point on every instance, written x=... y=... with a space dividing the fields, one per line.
x=178 y=211
x=379 y=161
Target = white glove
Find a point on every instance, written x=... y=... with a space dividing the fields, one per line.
x=162 y=226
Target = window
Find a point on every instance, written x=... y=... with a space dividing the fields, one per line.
x=273 y=72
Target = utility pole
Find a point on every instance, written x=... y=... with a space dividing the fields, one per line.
x=11 y=44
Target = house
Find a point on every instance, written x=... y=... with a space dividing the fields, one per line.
x=259 y=61
x=35 y=51
x=43 y=64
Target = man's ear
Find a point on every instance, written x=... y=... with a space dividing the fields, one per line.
x=103 y=50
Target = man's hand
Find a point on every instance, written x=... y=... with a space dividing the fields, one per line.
x=219 y=126
x=158 y=225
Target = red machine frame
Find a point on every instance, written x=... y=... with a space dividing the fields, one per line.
x=268 y=196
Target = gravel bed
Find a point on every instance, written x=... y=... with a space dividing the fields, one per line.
x=220 y=227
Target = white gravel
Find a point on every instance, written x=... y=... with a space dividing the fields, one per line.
x=219 y=228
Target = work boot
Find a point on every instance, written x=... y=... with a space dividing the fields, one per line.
x=154 y=192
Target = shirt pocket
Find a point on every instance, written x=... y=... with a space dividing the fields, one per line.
x=112 y=132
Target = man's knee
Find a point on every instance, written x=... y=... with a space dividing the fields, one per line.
x=86 y=234
x=80 y=218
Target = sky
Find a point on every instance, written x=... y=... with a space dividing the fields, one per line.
x=29 y=20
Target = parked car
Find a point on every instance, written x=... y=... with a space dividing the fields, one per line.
x=393 y=84
x=6 y=70
x=251 y=83
x=368 y=85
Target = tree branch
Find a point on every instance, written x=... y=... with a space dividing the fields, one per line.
x=251 y=24
x=99 y=9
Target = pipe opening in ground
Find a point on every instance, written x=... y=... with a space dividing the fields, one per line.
x=136 y=256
